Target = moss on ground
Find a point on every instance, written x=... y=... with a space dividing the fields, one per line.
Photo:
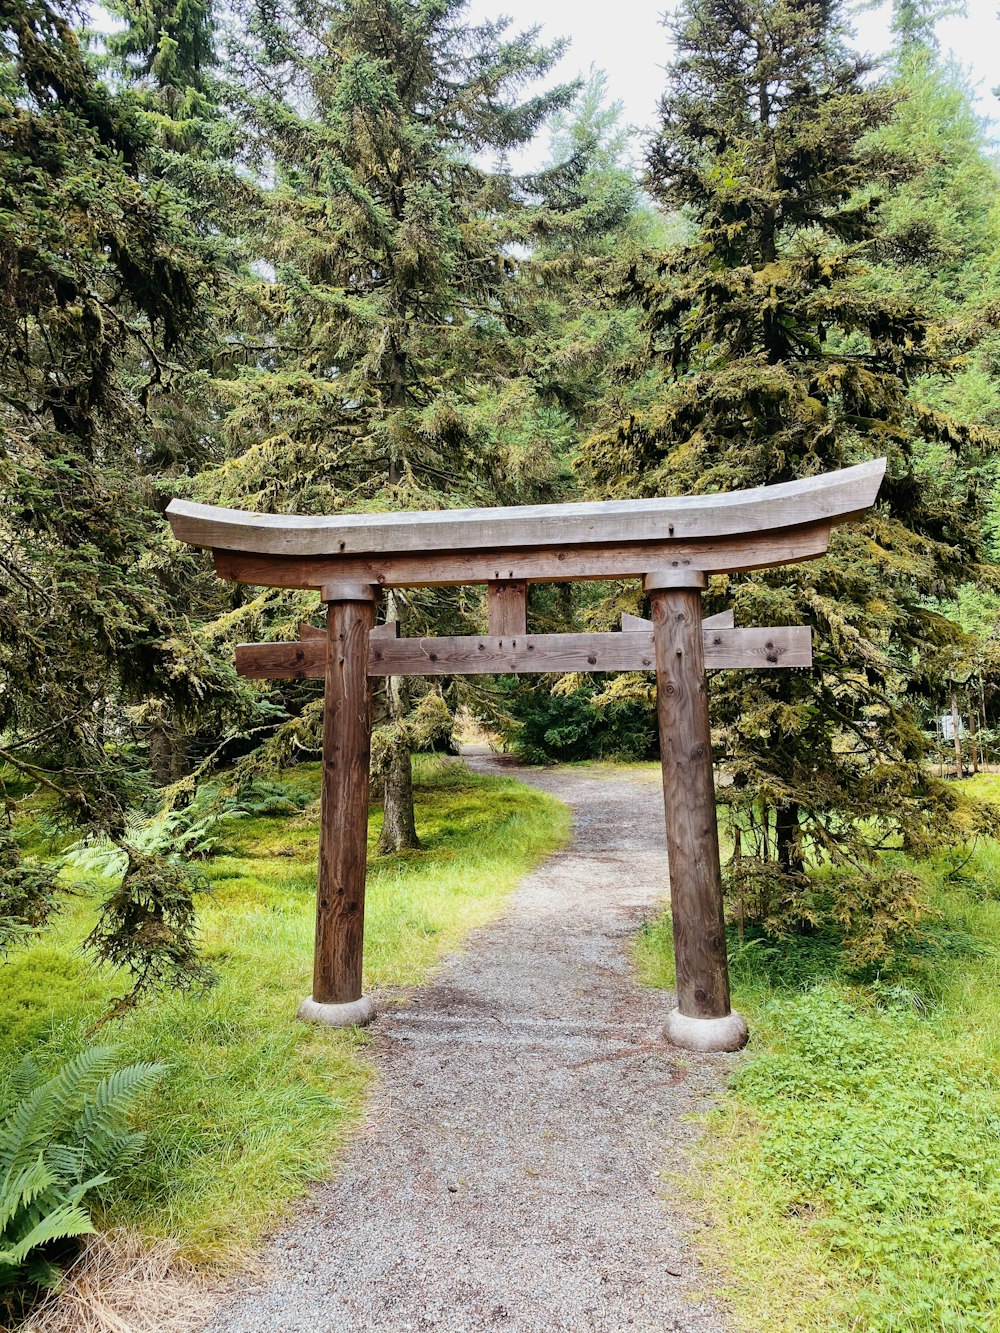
x=255 y=1103
x=851 y=1174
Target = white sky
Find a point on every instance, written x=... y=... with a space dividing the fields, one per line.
x=626 y=39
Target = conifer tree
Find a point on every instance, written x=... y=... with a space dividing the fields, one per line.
x=939 y=244
x=167 y=56
x=101 y=281
x=773 y=353
x=386 y=362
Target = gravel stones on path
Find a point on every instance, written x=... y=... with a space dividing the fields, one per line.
x=510 y=1174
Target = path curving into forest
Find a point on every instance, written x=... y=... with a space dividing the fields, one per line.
x=509 y=1175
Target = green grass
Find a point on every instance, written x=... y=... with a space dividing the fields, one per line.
x=852 y=1172
x=255 y=1103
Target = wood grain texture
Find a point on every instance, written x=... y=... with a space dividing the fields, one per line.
x=673 y=577
x=778 y=646
x=631 y=650
x=507 y=604
x=689 y=805
x=830 y=497
x=721 y=620
x=388 y=630
x=343 y=840
x=564 y=565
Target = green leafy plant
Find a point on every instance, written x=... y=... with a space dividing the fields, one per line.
x=180 y=834
x=64 y=1138
x=147 y=927
x=28 y=893
x=260 y=797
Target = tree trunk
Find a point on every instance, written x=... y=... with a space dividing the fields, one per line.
x=159 y=753
x=974 y=736
x=399 y=831
x=399 y=826
x=168 y=757
x=956 y=729
x=786 y=835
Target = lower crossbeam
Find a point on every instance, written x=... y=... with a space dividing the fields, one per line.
x=629 y=650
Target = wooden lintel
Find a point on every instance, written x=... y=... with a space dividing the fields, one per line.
x=721 y=620
x=569 y=564
x=782 y=646
x=829 y=497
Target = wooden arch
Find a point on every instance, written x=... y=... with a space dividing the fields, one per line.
x=671 y=544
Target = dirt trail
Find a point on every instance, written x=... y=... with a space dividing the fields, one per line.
x=509 y=1175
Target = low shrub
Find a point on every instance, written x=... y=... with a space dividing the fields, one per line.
x=555 y=726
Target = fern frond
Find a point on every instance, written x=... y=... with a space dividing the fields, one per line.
x=97 y=1130
x=17 y=1194
x=24 y=1130
x=25 y=1076
x=45 y=1113
x=66 y=1160
x=63 y=1221
x=57 y=1145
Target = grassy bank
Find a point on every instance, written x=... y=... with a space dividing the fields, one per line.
x=852 y=1173
x=255 y=1103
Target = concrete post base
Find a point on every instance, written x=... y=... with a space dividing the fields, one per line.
x=707 y=1034
x=356 y=1013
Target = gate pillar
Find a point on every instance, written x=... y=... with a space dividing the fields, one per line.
x=703 y=1019
x=343 y=844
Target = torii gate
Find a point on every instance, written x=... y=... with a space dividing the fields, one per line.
x=671 y=544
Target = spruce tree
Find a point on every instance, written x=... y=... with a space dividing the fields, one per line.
x=772 y=353
x=939 y=244
x=383 y=359
x=102 y=280
x=168 y=57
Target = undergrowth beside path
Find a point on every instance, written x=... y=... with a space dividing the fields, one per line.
x=852 y=1173
x=255 y=1103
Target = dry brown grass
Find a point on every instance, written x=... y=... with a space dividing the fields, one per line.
x=123 y=1284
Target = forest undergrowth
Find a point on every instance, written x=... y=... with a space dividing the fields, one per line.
x=254 y=1104
x=851 y=1175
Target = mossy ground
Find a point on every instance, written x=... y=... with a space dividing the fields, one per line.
x=851 y=1175
x=255 y=1103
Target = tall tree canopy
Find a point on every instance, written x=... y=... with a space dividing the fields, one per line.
x=382 y=355
x=773 y=353
x=101 y=283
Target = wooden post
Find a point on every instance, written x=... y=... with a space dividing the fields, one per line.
x=703 y=1019
x=507 y=604
x=343 y=848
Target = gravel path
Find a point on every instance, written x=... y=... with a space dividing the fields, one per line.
x=509 y=1174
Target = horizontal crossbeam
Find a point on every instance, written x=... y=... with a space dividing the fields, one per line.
x=567 y=564
x=632 y=650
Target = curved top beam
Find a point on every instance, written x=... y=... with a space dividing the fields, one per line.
x=832 y=497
